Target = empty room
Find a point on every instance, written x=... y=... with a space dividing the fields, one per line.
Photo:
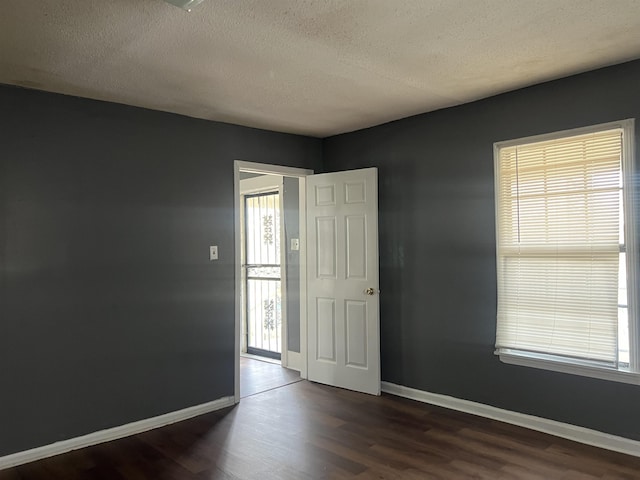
x=319 y=239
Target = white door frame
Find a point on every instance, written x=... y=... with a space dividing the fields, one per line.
x=264 y=168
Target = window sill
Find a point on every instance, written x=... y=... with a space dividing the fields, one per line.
x=523 y=360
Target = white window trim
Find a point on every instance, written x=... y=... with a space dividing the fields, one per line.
x=631 y=240
x=630 y=191
x=524 y=360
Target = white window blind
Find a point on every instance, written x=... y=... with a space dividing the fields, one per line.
x=558 y=246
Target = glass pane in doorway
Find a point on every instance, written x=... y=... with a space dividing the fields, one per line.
x=264 y=315
x=263 y=287
x=262 y=217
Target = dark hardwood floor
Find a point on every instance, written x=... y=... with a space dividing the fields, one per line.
x=257 y=376
x=309 y=431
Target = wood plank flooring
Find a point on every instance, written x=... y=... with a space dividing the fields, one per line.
x=309 y=431
x=257 y=376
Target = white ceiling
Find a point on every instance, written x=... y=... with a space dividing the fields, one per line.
x=314 y=67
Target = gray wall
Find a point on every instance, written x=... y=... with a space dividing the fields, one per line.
x=437 y=246
x=110 y=311
x=290 y=202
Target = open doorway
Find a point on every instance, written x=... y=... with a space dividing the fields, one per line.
x=270 y=336
x=339 y=331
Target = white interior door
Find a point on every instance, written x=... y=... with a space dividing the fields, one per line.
x=342 y=280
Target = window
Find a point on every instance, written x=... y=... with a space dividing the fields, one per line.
x=566 y=252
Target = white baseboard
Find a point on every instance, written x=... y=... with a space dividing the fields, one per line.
x=294 y=361
x=114 y=433
x=552 y=427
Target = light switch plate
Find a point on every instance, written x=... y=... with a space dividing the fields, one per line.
x=213 y=252
x=295 y=244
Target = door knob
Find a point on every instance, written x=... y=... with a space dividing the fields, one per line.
x=370 y=291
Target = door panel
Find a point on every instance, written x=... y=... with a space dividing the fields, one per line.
x=356 y=245
x=326 y=337
x=325 y=195
x=342 y=267
x=326 y=251
x=355 y=192
x=356 y=333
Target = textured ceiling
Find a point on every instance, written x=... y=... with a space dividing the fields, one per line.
x=315 y=67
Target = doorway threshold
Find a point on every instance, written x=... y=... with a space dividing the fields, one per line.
x=275 y=361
